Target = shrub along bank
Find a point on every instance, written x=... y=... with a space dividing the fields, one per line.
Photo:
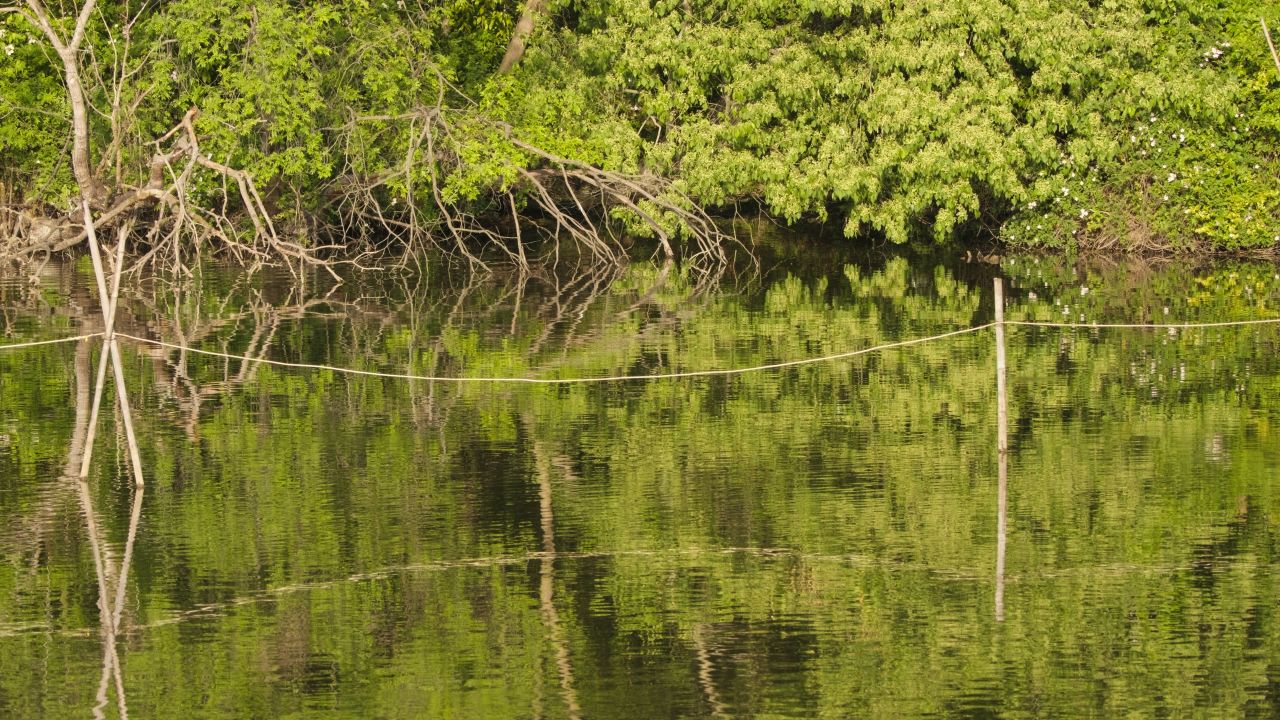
x=1146 y=124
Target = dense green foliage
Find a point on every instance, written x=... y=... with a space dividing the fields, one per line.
x=1203 y=171
x=1140 y=122
x=921 y=115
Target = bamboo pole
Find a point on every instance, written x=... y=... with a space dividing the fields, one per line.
x=110 y=658
x=1002 y=408
x=1266 y=33
x=1002 y=450
x=110 y=345
x=108 y=334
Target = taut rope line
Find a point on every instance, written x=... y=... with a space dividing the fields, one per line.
x=565 y=381
x=652 y=376
x=56 y=341
x=1148 y=326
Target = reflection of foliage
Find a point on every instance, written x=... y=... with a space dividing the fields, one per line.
x=875 y=474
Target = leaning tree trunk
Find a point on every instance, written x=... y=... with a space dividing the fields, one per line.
x=81 y=163
x=69 y=53
x=519 y=37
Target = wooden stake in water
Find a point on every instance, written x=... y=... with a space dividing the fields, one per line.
x=1002 y=450
x=108 y=334
x=111 y=346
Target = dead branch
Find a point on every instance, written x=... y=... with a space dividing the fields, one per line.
x=172 y=173
x=552 y=199
x=412 y=202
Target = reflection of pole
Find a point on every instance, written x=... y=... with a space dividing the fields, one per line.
x=547 y=589
x=706 y=669
x=110 y=660
x=110 y=611
x=1002 y=447
x=1002 y=506
x=109 y=343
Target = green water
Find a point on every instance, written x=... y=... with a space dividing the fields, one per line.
x=818 y=541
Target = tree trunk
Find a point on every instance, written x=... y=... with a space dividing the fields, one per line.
x=69 y=53
x=524 y=27
x=81 y=162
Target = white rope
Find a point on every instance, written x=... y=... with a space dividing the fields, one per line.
x=654 y=376
x=1149 y=326
x=77 y=338
x=566 y=381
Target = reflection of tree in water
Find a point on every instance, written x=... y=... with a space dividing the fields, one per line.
x=831 y=462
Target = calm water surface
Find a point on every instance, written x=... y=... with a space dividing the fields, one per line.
x=818 y=541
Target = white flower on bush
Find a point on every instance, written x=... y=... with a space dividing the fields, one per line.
x=1172 y=177
x=1083 y=213
x=8 y=49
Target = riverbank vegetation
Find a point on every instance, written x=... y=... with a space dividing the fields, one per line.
x=496 y=128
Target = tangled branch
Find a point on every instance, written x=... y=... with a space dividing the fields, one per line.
x=166 y=200
x=548 y=197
